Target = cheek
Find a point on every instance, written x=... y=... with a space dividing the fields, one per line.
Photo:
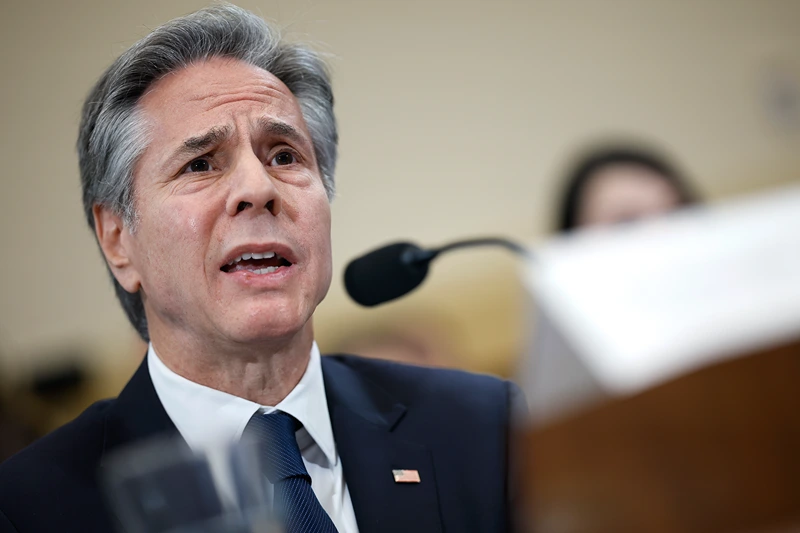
x=316 y=229
x=174 y=241
x=323 y=239
x=180 y=231
x=322 y=227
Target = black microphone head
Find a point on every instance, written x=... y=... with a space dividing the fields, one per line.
x=386 y=273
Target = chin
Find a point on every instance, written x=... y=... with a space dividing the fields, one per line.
x=267 y=329
x=266 y=320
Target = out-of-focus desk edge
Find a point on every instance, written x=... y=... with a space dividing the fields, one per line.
x=716 y=451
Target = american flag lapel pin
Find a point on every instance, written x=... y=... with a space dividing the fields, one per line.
x=406 y=476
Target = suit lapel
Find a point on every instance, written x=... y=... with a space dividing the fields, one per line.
x=364 y=418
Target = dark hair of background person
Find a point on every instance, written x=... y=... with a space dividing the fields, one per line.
x=589 y=164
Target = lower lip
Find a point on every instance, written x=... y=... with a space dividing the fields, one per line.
x=271 y=280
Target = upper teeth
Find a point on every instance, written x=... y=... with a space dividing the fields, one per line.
x=265 y=255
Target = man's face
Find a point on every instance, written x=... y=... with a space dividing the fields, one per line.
x=232 y=244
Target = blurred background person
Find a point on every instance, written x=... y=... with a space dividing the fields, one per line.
x=621 y=183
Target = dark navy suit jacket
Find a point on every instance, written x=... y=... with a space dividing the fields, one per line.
x=451 y=426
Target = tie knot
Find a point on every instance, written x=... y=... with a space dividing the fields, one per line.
x=280 y=453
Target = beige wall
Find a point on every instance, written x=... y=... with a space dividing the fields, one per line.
x=455 y=119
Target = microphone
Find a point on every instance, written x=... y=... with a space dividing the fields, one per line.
x=394 y=270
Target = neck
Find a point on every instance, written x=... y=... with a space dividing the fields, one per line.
x=263 y=373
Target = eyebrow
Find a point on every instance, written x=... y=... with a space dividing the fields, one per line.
x=201 y=143
x=276 y=128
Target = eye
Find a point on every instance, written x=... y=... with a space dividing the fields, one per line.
x=199 y=165
x=283 y=158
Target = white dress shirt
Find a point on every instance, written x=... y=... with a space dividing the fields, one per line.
x=207 y=417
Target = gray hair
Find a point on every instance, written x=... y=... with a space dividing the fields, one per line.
x=112 y=135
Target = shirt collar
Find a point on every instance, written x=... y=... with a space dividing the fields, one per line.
x=206 y=416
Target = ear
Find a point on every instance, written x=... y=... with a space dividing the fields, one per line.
x=117 y=245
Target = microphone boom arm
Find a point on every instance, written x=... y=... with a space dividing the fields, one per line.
x=427 y=255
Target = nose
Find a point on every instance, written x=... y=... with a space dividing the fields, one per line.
x=252 y=187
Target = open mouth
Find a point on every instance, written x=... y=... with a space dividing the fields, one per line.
x=264 y=263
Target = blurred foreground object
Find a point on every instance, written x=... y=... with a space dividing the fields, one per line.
x=664 y=383
x=162 y=486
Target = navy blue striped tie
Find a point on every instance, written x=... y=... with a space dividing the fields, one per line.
x=283 y=465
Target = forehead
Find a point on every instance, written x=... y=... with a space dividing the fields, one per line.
x=619 y=178
x=212 y=93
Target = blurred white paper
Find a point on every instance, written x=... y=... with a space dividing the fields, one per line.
x=644 y=303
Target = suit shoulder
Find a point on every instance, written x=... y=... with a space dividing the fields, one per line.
x=74 y=446
x=411 y=383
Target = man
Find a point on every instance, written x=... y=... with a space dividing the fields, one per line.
x=207 y=154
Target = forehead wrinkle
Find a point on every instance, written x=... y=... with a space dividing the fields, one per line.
x=213 y=96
